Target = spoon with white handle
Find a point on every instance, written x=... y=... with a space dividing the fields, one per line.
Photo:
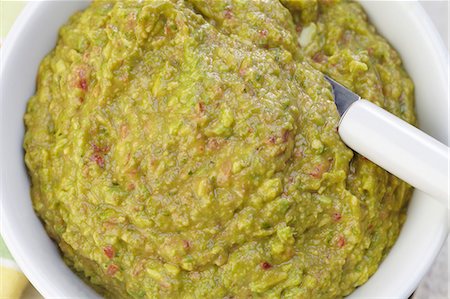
x=395 y=145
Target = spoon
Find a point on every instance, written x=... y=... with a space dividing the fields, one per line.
x=393 y=144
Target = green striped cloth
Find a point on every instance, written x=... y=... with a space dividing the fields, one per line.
x=12 y=281
x=4 y=253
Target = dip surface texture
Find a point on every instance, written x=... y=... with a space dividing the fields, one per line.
x=188 y=149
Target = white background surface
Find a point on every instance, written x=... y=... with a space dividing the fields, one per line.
x=436 y=284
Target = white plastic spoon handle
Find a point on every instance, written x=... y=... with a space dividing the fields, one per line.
x=398 y=147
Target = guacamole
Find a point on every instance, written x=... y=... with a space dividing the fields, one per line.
x=188 y=149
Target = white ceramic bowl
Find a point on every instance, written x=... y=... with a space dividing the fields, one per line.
x=404 y=24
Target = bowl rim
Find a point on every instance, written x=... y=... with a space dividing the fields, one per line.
x=6 y=229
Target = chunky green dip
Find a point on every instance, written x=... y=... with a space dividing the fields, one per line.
x=188 y=149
